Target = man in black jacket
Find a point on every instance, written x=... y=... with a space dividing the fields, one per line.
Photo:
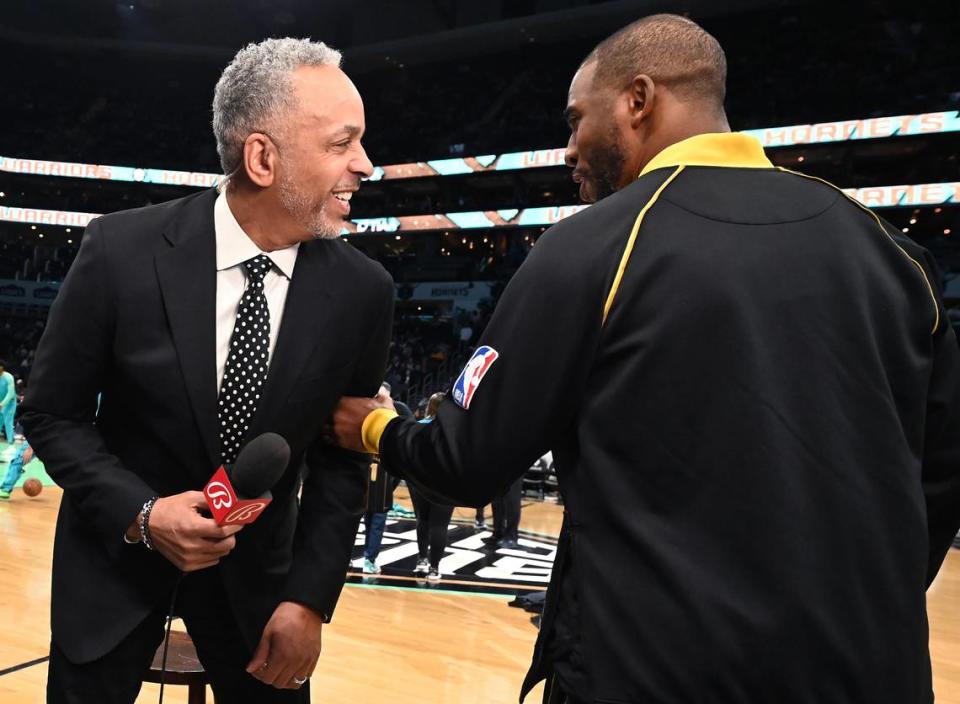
x=752 y=394
x=201 y=323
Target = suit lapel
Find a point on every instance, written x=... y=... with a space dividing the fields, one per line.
x=187 y=274
x=308 y=310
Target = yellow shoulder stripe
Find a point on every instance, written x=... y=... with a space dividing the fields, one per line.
x=631 y=241
x=923 y=273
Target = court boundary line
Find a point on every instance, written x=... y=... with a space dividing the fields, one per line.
x=431 y=590
x=24 y=665
x=411 y=578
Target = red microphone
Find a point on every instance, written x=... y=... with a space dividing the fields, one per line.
x=237 y=494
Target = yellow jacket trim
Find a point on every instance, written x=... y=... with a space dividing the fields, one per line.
x=373 y=426
x=730 y=149
x=630 y=242
x=724 y=149
x=933 y=296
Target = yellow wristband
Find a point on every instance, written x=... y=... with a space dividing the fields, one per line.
x=373 y=426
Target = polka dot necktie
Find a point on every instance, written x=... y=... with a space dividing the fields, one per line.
x=246 y=367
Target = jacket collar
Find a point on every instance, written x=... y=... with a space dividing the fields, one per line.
x=724 y=149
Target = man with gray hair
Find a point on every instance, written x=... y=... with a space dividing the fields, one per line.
x=202 y=323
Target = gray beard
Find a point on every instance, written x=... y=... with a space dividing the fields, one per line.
x=301 y=208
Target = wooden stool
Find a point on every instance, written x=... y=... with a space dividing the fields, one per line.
x=183 y=667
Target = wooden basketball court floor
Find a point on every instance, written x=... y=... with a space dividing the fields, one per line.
x=403 y=645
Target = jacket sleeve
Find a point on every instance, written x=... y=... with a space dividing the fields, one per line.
x=520 y=391
x=334 y=492
x=59 y=412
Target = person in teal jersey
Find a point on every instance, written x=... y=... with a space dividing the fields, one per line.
x=8 y=401
x=21 y=457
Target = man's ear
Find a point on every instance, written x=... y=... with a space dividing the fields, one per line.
x=260 y=159
x=641 y=96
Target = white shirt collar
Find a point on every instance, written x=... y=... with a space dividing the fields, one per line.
x=234 y=246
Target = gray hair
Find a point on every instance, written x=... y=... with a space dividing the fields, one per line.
x=255 y=87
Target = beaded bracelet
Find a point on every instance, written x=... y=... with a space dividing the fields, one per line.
x=145 y=522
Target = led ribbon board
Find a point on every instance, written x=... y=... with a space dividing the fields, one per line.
x=164 y=177
x=770 y=137
x=926 y=194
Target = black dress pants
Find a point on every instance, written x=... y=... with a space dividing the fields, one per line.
x=116 y=677
x=432 y=522
x=506 y=512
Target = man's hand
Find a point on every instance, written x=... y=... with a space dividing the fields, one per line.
x=289 y=647
x=348 y=419
x=179 y=533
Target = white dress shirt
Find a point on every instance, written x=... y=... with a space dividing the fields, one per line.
x=234 y=247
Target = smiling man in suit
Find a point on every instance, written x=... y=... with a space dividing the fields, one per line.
x=204 y=322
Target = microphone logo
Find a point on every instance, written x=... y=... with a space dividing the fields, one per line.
x=266 y=454
x=245 y=513
x=219 y=496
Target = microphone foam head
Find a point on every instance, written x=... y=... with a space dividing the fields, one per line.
x=259 y=465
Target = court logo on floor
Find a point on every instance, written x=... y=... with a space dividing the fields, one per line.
x=469 y=563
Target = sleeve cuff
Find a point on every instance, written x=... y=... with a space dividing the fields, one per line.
x=373 y=426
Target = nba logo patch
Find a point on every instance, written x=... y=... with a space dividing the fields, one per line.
x=473 y=374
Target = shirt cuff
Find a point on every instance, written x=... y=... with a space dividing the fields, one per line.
x=373 y=426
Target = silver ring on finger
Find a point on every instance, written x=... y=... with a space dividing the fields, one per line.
x=297 y=681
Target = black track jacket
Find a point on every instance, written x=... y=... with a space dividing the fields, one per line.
x=751 y=391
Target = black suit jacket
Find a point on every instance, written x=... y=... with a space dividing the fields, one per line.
x=134 y=322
